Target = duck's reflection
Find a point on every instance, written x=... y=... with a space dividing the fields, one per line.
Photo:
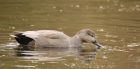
x=56 y=54
x=87 y=57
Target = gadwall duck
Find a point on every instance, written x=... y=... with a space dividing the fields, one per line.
x=53 y=38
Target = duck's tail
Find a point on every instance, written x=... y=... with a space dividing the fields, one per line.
x=20 y=38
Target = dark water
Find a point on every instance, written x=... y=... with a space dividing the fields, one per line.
x=116 y=23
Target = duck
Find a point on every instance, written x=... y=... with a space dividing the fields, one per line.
x=54 y=38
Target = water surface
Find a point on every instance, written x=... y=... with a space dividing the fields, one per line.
x=116 y=23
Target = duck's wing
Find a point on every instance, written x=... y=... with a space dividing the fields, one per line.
x=52 y=34
x=31 y=34
x=45 y=34
x=45 y=38
x=50 y=38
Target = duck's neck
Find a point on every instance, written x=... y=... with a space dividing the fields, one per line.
x=75 y=41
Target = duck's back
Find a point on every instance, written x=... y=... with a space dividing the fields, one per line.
x=48 y=38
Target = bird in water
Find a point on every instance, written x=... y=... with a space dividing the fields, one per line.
x=53 y=38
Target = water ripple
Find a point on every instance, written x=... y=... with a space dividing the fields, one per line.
x=133 y=45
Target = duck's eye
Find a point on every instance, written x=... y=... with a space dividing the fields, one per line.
x=91 y=35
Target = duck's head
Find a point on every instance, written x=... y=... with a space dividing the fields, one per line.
x=88 y=36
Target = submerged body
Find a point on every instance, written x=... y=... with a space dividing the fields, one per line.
x=52 y=38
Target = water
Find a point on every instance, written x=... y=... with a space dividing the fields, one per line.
x=116 y=23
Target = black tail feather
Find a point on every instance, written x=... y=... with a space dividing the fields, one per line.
x=22 y=39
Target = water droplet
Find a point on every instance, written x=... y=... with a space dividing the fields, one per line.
x=104 y=57
x=120 y=10
x=66 y=64
x=101 y=7
x=3 y=55
x=32 y=25
x=13 y=27
x=77 y=6
x=101 y=30
x=61 y=10
x=72 y=65
x=137 y=6
x=54 y=7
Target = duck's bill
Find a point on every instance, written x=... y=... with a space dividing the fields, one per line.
x=97 y=44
